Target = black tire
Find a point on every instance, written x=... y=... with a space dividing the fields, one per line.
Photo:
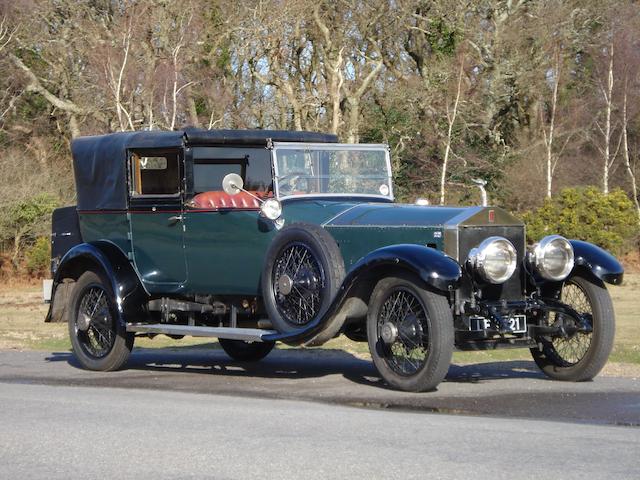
x=581 y=356
x=98 y=340
x=246 y=351
x=417 y=356
x=309 y=258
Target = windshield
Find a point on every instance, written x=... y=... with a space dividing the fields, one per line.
x=332 y=169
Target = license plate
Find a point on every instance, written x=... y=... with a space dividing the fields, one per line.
x=515 y=323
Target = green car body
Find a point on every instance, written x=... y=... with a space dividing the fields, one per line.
x=223 y=253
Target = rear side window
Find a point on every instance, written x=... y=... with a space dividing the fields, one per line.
x=155 y=174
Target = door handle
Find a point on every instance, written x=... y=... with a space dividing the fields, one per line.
x=175 y=219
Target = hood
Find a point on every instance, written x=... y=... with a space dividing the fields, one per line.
x=396 y=215
x=360 y=227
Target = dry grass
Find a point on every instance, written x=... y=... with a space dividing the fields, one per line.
x=22 y=327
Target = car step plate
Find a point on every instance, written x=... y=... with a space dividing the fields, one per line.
x=246 y=334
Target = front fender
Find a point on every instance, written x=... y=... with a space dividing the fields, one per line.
x=434 y=267
x=598 y=261
x=108 y=259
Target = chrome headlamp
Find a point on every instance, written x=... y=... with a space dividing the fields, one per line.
x=552 y=258
x=494 y=259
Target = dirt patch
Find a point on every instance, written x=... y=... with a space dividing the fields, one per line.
x=631 y=262
x=616 y=369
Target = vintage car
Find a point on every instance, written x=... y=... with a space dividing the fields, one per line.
x=257 y=237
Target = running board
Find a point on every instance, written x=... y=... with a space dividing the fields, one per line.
x=246 y=334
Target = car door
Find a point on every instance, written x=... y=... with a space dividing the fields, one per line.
x=226 y=238
x=156 y=218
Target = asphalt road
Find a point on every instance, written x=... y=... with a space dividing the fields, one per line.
x=504 y=389
x=78 y=432
x=192 y=413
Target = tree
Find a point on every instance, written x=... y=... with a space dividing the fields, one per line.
x=452 y=113
x=22 y=221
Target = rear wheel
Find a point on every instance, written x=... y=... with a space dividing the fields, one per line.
x=97 y=338
x=410 y=333
x=581 y=355
x=246 y=351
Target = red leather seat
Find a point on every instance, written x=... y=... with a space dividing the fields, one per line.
x=223 y=201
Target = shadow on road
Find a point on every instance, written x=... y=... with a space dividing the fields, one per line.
x=505 y=389
x=296 y=364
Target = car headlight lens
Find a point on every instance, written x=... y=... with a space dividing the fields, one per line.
x=553 y=257
x=271 y=209
x=494 y=259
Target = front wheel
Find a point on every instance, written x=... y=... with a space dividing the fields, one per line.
x=97 y=338
x=246 y=351
x=410 y=333
x=581 y=355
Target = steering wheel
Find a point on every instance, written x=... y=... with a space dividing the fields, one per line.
x=290 y=182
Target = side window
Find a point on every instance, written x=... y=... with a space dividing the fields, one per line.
x=208 y=173
x=154 y=173
x=211 y=164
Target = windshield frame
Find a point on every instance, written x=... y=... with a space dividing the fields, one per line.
x=331 y=146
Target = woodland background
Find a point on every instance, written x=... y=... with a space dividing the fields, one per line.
x=538 y=98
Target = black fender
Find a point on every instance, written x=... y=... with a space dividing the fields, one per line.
x=108 y=259
x=436 y=269
x=597 y=261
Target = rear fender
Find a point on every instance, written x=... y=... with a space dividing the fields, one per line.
x=106 y=258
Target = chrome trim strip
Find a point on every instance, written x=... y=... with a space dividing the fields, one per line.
x=451 y=231
x=368 y=225
x=331 y=146
x=246 y=334
x=320 y=196
x=339 y=215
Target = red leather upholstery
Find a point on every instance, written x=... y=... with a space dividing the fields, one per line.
x=223 y=201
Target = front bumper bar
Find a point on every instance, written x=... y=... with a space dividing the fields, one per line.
x=499 y=313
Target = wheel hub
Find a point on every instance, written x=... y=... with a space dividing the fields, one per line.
x=285 y=284
x=410 y=330
x=307 y=280
x=388 y=333
x=83 y=322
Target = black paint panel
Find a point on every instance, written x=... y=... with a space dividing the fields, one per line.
x=65 y=233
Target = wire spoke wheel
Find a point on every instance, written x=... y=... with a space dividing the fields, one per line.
x=246 y=351
x=571 y=349
x=410 y=333
x=582 y=350
x=98 y=338
x=94 y=322
x=299 y=283
x=403 y=313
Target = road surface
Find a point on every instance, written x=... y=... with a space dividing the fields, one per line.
x=504 y=389
x=188 y=413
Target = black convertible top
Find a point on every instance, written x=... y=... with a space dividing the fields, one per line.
x=100 y=162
